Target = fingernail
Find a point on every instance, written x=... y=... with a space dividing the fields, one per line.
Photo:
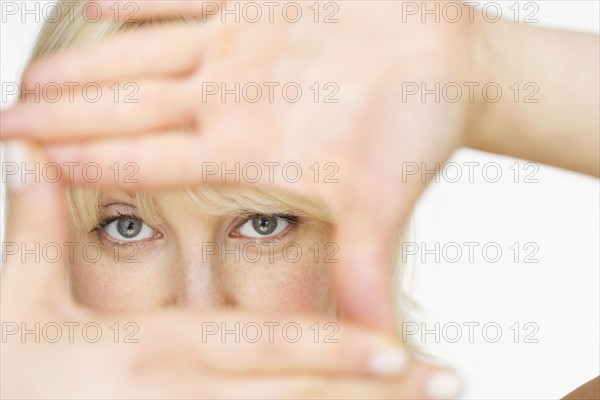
x=443 y=385
x=15 y=158
x=388 y=362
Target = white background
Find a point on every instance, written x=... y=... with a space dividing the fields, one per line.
x=559 y=294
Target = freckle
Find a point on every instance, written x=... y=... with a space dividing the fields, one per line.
x=230 y=301
x=169 y=302
x=304 y=289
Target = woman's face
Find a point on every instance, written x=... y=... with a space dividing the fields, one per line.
x=258 y=262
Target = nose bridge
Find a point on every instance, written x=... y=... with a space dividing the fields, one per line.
x=200 y=285
x=195 y=240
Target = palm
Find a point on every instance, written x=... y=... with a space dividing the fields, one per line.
x=353 y=130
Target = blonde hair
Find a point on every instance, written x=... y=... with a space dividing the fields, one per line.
x=84 y=202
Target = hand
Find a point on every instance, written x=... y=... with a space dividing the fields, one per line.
x=372 y=138
x=47 y=351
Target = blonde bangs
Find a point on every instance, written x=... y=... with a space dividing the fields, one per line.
x=231 y=201
x=84 y=208
x=85 y=204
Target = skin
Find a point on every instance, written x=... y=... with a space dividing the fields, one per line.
x=183 y=264
x=172 y=356
x=171 y=360
x=561 y=129
x=170 y=79
x=588 y=391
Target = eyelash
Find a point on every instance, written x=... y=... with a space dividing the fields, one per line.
x=106 y=220
x=293 y=220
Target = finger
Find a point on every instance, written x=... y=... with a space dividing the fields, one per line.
x=167 y=159
x=37 y=229
x=363 y=275
x=175 y=159
x=150 y=9
x=124 y=107
x=421 y=382
x=370 y=224
x=236 y=342
x=113 y=60
x=368 y=217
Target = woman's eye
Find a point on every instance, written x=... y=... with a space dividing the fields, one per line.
x=127 y=229
x=261 y=226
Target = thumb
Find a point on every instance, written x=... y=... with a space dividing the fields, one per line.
x=33 y=254
x=363 y=277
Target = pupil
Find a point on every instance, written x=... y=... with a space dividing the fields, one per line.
x=264 y=225
x=129 y=228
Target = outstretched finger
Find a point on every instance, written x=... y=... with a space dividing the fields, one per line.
x=133 y=10
x=37 y=230
x=237 y=342
x=363 y=275
x=145 y=52
x=122 y=108
x=174 y=159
